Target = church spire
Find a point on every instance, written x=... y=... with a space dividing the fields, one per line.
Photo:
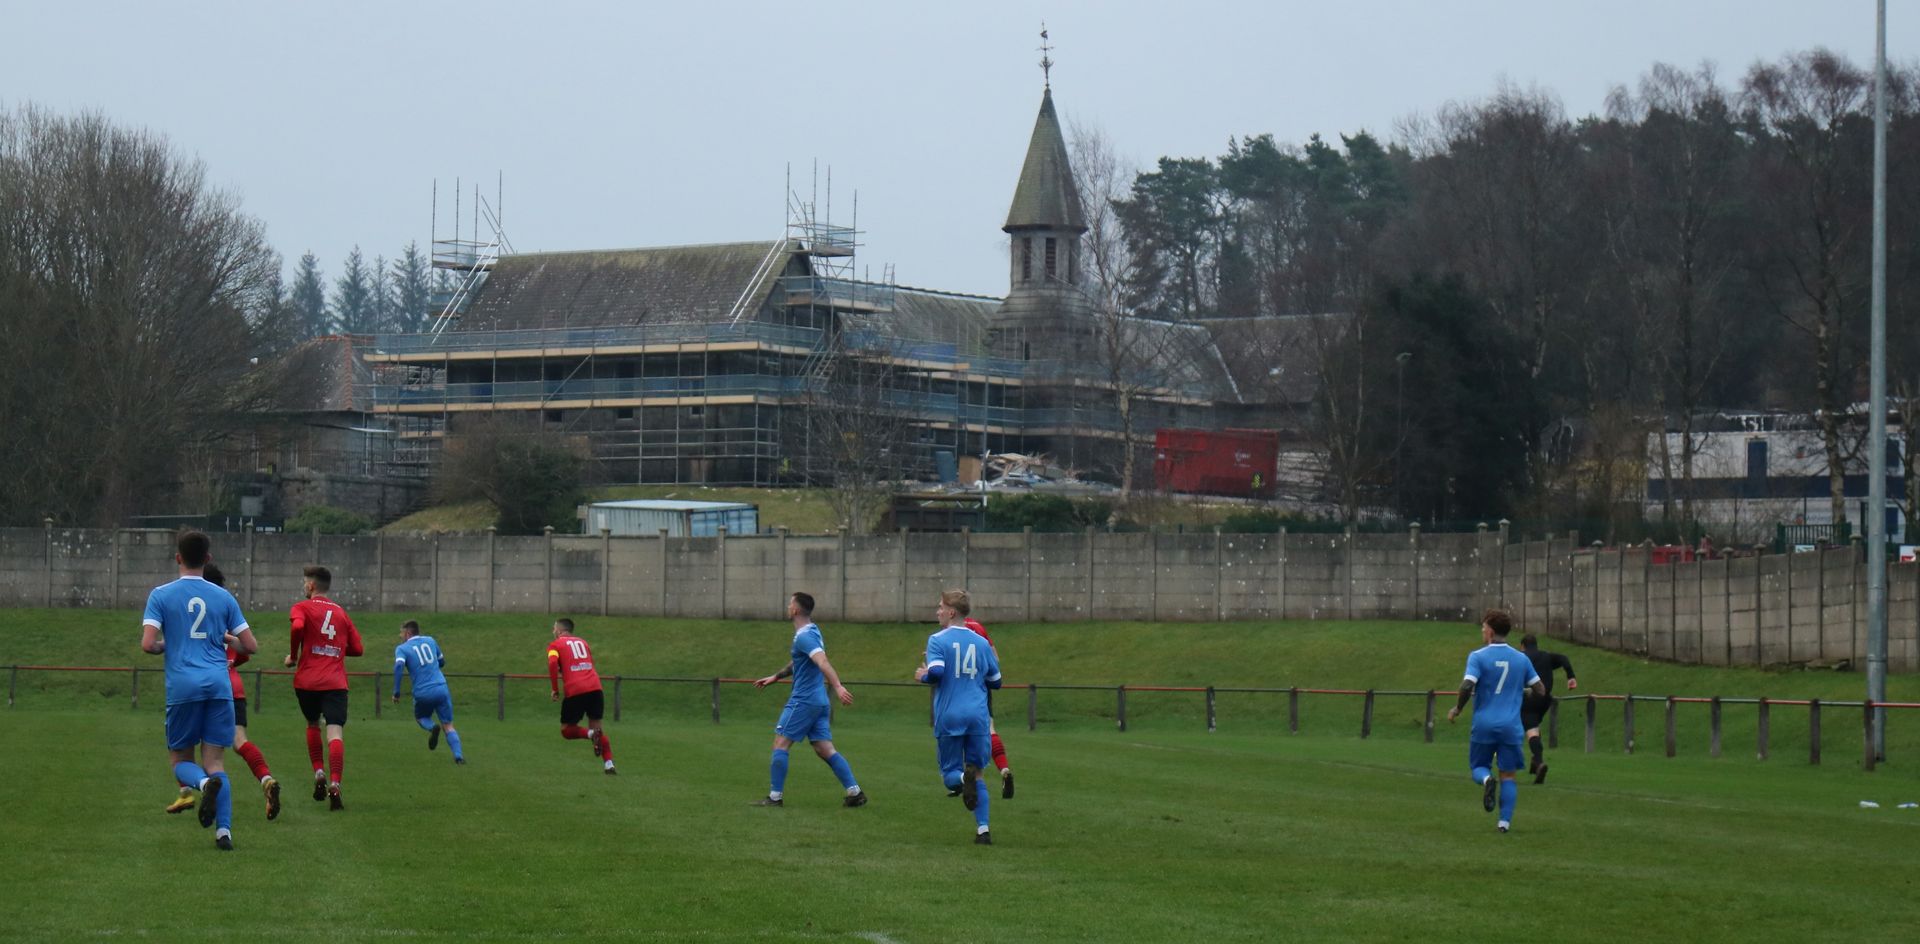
x=1046 y=197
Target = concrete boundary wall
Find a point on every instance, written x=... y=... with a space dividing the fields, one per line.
x=1801 y=608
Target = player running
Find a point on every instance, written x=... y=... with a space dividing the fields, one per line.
x=323 y=639
x=570 y=667
x=189 y=622
x=964 y=604
x=962 y=667
x=1496 y=677
x=1534 y=710
x=806 y=716
x=421 y=657
x=248 y=751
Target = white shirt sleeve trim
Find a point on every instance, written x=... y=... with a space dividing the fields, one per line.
x=1471 y=678
x=150 y=621
x=995 y=677
x=816 y=651
x=243 y=627
x=936 y=662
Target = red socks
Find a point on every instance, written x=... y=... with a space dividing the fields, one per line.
x=336 y=759
x=606 y=747
x=255 y=762
x=999 y=753
x=313 y=750
x=573 y=732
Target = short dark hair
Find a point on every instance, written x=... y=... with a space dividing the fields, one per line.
x=322 y=578
x=564 y=623
x=411 y=626
x=213 y=575
x=805 y=602
x=195 y=549
x=1528 y=641
x=1499 y=622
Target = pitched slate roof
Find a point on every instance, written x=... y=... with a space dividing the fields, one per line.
x=1046 y=196
x=668 y=284
x=320 y=375
x=941 y=318
x=1274 y=359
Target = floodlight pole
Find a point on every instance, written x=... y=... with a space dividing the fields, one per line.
x=1877 y=405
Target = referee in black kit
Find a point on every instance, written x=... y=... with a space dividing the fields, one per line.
x=1534 y=708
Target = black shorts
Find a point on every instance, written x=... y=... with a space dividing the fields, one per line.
x=239 y=712
x=1533 y=710
x=591 y=704
x=331 y=703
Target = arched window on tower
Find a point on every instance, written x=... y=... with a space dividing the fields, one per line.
x=1052 y=254
x=1026 y=258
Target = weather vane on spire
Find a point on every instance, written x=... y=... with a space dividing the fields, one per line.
x=1046 y=61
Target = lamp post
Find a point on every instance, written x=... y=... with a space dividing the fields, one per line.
x=1877 y=402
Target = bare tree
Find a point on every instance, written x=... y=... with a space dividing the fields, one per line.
x=1811 y=190
x=858 y=430
x=132 y=296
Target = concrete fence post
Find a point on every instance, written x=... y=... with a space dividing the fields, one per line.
x=1673 y=744
x=1789 y=566
x=433 y=576
x=313 y=545
x=665 y=560
x=1765 y=727
x=1026 y=543
x=113 y=567
x=714 y=692
x=1867 y=758
x=1153 y=575
x=1413 y=549
x=606 y=570
x=1813 y=732
x=1366 y=716
x=720 y=544
x=379 y=571
x=1211 y=716
x=1293 y=710
x=1713 y=727
x=780 y=592
x=1480 y=562
x=846 y=609
x=1219 y=576
x=1346 y=558
x=966 y=558
x=46 y=587
x=903 y=574
x=250 y=536
x=1506 y=538
x=1089 y=563
x=1280 y=570
x=547 y=571
x=1819 y=607
x=493 y=536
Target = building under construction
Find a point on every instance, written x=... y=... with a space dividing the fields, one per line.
x=770 y=363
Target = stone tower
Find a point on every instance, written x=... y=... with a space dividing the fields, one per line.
x=1046 y=315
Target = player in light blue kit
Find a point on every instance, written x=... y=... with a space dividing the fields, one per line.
x=1498 y=678
x=188 y=622
x=421 y=657
x=806 y=716
x=961 y=666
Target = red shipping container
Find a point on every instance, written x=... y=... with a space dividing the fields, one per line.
x=1236 y=462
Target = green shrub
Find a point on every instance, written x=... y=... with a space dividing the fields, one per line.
x=328 y=520
x=1046 y=512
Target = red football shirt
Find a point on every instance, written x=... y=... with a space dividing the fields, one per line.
x=974 y=625
x=236 y=659
x=323 y=638
x=570 y=660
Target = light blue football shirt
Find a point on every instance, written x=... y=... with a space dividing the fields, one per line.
x=424 y=661
x=1500 y=675
x=194 y=617
x=960 y=694
x=809 y=686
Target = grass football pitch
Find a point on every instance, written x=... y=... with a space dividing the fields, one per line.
x=1164 y=832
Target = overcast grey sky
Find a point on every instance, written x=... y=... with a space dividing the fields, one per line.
x=637 y=124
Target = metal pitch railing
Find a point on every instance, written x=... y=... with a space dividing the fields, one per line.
x=1369 y=698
